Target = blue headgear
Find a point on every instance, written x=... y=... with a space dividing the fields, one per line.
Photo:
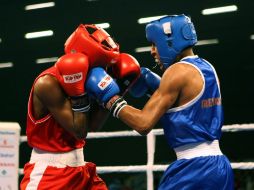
x=171 y=35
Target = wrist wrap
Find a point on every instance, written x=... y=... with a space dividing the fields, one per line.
x=80 y=103
x=115 y=105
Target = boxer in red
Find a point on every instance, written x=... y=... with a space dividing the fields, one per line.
x=60 y=114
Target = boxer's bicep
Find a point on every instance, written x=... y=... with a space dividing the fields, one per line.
x=163 y=98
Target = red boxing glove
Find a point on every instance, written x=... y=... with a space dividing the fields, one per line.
x=126 y=71
x=72 y=69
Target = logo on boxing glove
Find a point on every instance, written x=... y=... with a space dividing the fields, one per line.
x=73 y=77
x=105 y=81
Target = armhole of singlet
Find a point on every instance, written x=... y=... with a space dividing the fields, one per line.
x=194 y=100
x=215 y=74
x=29 y=107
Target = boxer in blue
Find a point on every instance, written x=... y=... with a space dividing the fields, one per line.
x=186 y=100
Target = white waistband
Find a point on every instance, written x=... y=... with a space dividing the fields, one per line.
x=73 y=158
x=209 y=148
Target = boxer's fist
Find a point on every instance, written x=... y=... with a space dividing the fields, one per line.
x=100 y=85
x=125 y=71
x=72 y=69
x=147 y=83
x=104 y=89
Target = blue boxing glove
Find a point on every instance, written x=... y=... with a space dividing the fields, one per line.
x=102 y=87
x=146 y=84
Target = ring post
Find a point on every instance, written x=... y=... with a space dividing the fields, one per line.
x=150 y=141
x=9 y=155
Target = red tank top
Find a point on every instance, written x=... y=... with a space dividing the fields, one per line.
x=46 y=134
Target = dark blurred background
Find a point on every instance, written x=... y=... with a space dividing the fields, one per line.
x=231 y=55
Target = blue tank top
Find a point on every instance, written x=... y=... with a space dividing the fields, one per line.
x=200 y=119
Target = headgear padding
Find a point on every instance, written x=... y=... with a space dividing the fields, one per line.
x=171 y=35
x=94 y=42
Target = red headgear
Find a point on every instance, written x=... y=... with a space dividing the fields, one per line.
x=95 y=42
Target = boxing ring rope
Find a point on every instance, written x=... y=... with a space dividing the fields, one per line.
x=150 y=167
x=96 y=135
